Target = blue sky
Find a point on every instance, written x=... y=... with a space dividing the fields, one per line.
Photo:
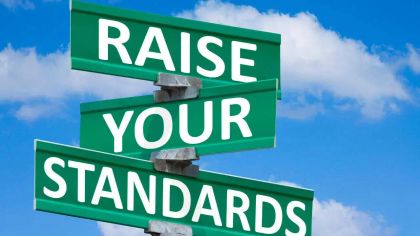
x=348 y=126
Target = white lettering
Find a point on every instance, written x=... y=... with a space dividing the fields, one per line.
x=208 y=124
x=237 y=61
x=107 y=175
x=81 y=177
x=296 y=219
x=116 y=132
x=133 y=182
x=62 y=186
x=167 y=127
x=186 y=203
x=259 y=228
x=227 y=118
x=205 y=52
x=118 y=43
x=239 y=211
x=163 y=54
x=207 y=193
x=185 y=52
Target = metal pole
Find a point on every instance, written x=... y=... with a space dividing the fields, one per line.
x=176 y=161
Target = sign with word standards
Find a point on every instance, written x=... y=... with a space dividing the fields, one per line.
x=106 y=187
x=222 y=119
x=140 y=45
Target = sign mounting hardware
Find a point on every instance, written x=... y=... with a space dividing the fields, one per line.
x=175 y=161
x=160 y=228
x=174 y=88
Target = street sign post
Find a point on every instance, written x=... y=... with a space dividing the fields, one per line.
x=219 y=88
x=106 y=187
x=139 y=45
x=222 y=119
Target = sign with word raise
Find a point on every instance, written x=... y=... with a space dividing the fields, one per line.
x=139 y=45
x=122 y=190
x=221 y=119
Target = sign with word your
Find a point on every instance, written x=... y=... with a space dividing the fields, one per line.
x=140 y=45
x=122 y=190
x=222 y=119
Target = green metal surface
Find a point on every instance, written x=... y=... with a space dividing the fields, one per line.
x=85 y=45
x=68 y=203
x=95 y=133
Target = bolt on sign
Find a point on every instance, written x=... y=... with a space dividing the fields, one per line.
x=140 y=45
x=222 y=119
x=106 y=187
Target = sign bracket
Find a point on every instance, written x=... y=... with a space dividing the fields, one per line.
x=176 y=87
x=160 y=228
x=176 y=161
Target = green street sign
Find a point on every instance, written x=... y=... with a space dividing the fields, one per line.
x=106 y=187
x=222 y=119
x=140 y=45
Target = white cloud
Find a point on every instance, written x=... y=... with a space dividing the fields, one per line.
x=299 y=109
x=316 y=62
x=24 y=4
x=413 y=60
x=321 y=70
x=332 y=218
x=108 y=229
x=40 y=82
x=31 y=112
x=13 y=4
